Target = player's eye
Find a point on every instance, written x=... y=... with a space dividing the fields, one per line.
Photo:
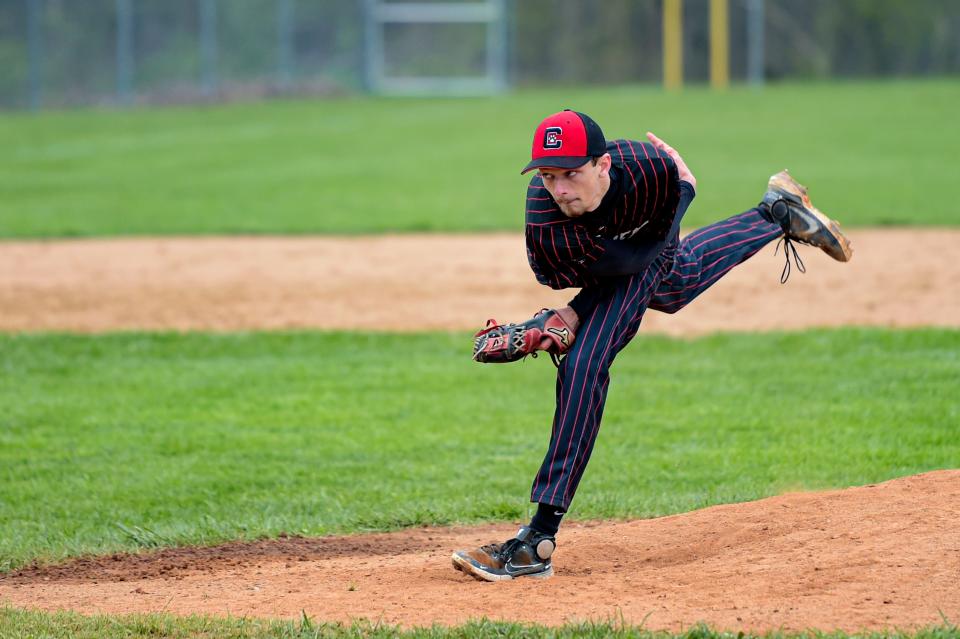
x=571 y=174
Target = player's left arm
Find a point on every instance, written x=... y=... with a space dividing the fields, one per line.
x=626 y=257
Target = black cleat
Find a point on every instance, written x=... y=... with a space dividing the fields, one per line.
x=526 y=555
x=787 y=203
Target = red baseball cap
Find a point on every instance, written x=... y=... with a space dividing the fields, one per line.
x=565 y=140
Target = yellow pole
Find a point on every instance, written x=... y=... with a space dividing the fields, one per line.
x=673 y=44
x=719 y=44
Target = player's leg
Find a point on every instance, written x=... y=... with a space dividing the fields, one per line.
x=581 y=392
x=583 y=378
x=705 y=255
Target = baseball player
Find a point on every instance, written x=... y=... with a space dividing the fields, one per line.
x=605 y=217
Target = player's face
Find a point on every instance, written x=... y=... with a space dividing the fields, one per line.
x=580 y=190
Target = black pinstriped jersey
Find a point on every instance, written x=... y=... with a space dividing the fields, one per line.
x=641 y=203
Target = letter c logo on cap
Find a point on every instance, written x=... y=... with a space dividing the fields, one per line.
x=552 y=137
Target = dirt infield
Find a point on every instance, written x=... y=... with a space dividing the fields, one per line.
x=879 y=556
x=873 y=557
x=427 y=282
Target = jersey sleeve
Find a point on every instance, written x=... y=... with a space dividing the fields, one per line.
x=626 y=257
x=559 y=249
x=560 y=255
x=652 y=186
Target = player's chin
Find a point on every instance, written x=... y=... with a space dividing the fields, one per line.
x=571 y=211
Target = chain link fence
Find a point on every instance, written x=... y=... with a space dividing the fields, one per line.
x=56 y=53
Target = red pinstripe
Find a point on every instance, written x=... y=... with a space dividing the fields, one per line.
x=546 y=223
x=540 y=248
x=562 y=417
x=701 y=285
x=733 y=221
x=720 y=248
x=684 y=265
x=552 y=244
x=626 y=204
x=625 y=304
x=648 y=291
x=646 y=188
x=656 y=180
x=566 y=242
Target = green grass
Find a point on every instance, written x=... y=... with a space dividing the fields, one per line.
x=17 y=624
x=131 y=441
x=873 y=153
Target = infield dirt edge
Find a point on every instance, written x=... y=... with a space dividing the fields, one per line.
x=876 y=557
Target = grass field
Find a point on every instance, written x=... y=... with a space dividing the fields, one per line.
x=73 y=626
x=873 y=153
x=133 y=441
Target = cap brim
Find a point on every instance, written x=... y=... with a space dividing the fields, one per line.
x=556 y=162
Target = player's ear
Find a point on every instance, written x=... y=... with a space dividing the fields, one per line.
x=605 y=162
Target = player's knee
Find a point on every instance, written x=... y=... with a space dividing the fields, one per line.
x=669 y=308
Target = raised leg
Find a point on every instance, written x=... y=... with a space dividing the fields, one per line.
x=707 y=254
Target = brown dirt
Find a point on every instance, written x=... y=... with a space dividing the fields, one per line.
x=863 y=558
x=897 y=278
x=874 y=557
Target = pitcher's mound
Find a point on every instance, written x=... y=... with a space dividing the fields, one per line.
x=878 y=556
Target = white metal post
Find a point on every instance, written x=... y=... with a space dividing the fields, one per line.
x=491 y=13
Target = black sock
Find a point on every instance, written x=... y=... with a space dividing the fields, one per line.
x=547 y=519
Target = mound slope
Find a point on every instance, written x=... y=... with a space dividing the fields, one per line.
x=872 y=557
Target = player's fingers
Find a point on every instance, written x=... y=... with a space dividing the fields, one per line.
x=663 y=146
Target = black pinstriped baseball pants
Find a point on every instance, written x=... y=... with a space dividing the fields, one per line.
x=674 y=279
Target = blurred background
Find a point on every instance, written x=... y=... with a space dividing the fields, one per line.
x=131 y=117
x=56 y=53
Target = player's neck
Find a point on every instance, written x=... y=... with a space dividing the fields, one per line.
x=604 y=188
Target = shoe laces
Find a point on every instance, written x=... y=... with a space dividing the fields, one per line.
x=556 y=359
x=503 y=551
x=788 y=248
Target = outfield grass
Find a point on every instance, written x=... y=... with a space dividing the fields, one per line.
x=16 y=624
x=132 y=441
x=873 y=153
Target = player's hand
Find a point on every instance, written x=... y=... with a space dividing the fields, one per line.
x=685 y=174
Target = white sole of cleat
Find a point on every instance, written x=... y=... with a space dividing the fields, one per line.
x=463 y=565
